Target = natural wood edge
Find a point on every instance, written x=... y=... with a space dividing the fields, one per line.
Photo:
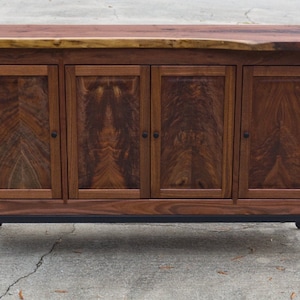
x=230 y=37
x=143 y=43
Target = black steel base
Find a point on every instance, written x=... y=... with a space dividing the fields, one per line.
x=150 y=219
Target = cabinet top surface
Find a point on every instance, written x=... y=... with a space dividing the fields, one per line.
x=231 y=37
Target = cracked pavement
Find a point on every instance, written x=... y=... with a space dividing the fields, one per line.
x=37 y=266
x=22 y=268
x=247 y=14
x=150 y=261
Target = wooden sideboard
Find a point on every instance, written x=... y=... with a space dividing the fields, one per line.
x=149 y=123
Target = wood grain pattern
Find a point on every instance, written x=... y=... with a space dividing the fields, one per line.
x=151 y=207
x=24 y=132
x=237 y=133
x=192 y=128
x=236 y=37
x=195 y=127
x=274 y=146
x=108 y=132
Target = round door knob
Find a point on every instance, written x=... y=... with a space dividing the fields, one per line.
x=54 y=134
x=145 y=134
x=246 y=134
x=156 y=135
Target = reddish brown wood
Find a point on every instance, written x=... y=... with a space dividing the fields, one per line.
x=248 y=168
x=145 y=127
x=251 y=37
x=63 y=132
x=174 y=56
x=54 y=126
x=30 y=159
x=71 y=132
x=108 y=128
x=228 y=132
x=270 y=160
x=151 y=207
x=147 y=57
x=233 y=32
x=237 y=131
x=33 y=193
x=106 y=117
x=192 y=109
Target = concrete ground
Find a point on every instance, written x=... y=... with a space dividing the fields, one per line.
x=149 y=261
x=149 y=12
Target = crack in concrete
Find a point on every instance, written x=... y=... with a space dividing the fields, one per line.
x=247 y=15
x=40 y=262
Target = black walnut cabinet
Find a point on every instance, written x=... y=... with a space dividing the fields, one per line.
x=149 y=123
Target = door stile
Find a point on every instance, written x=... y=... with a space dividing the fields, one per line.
x=54 y=135
x=72 y=132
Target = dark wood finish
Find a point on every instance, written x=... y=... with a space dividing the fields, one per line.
x=237 y=130
x=192 y=110
x=54 y=122
x=108 y=156
x=170 y=56
x=147 y=57
x=151 y=207
x=252 y=37
x=63 y=132
x=270 y=157
x=30 y=159
x=238 y=176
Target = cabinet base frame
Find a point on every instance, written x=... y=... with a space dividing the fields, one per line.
x=150 y=219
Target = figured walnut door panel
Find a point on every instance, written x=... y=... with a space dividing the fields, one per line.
x=192 y=127
x=29 y=113
x=108 y=110
x=270 y=144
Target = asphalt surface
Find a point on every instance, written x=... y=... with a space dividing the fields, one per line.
x=150 y=261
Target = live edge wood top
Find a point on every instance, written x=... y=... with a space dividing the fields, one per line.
x=234 y=37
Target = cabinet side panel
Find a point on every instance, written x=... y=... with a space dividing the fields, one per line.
x=108 y=132
x=24 y=133
x=192 y=126
x=275 y=146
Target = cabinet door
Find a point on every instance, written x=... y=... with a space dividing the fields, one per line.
x=270 y=144
x=192 y=131
x=29 y=132
x=108 y=125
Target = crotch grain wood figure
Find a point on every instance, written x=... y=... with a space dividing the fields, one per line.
x=108 y=110
x=192 y=122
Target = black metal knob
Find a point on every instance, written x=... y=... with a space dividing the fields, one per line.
x=246 y=134
x=156 y=135
x=54 y=134
x=145 y=134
